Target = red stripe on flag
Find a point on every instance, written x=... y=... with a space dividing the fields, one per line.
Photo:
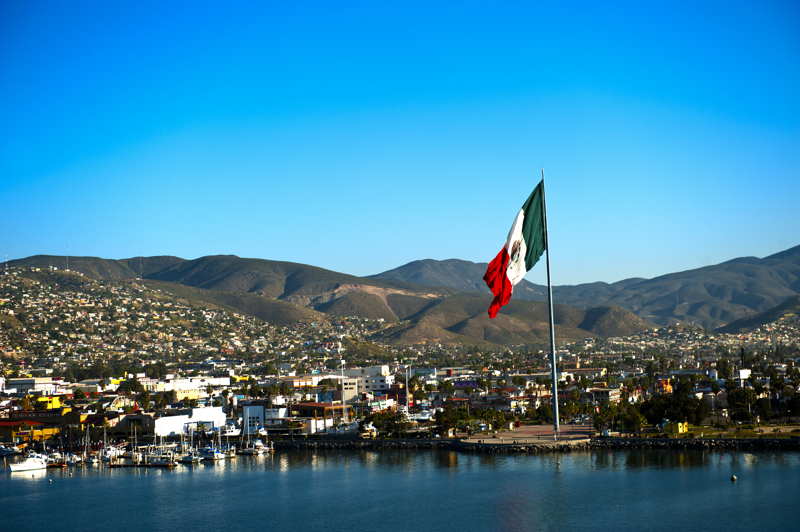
x=497 y=281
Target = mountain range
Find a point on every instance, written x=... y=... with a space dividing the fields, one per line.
x=788 y=309
x=446 y=301
x=711 y=296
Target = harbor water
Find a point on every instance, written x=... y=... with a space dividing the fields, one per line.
x=423 y=490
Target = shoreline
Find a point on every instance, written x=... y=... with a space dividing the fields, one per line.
x=542 y=447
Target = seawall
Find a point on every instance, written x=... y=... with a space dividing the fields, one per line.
x=702 y=444
x=540 y=447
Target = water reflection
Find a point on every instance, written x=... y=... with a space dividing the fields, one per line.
x=442 y=490
x=489 y=460
x=414 y=461
x=446 y=459
x=646 y=459
x=36 y=474
x=283 y=463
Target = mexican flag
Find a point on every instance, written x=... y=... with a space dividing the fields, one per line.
x=525 y=244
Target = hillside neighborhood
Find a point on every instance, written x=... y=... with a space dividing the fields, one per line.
x=79 y=353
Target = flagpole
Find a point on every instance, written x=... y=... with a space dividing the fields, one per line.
x=554 y=369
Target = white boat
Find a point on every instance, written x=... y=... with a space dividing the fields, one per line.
x=211 y=454
x=56 y=459
x=252 y=451
x=161 y=459
x=8 y=450
x=108 y=454
x=32 y=461
x=127 y=458
x=192 y=455
x=190 y=458
x=230 y=430
x=256 y=449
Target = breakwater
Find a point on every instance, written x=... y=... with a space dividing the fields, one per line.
x=701 y=444
x=434 y=444
x=365 y=445
x=540 y=447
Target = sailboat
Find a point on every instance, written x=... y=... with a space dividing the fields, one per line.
x=56 y=459
x=247 y=449
x=256 y=447
x=158 y=455
x=212 y=453
x=192 y=456
x=134 y=456
x=109 y=453
x=230 y=450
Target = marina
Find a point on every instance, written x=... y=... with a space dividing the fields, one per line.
x=158 y=454
x=347 y=490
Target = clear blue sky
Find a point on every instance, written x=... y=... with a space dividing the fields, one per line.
x=361 y=136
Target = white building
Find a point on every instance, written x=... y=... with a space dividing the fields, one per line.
x=349 y=388
x=744 y=374
x=313 y=425
x=184 y=384
x=372 y=379
x=253 y=417
x=257 y=416
x=196 y=419
x=42 y=385
x=427 y=375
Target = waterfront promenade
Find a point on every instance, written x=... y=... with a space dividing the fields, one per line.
x=531 y=434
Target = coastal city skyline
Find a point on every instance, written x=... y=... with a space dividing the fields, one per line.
x=667 y=136
x=272 y=265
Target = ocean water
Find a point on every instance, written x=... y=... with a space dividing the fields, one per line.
x=423 y=490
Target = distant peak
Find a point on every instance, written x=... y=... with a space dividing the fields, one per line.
x=743 y=260
x=211 y=257
x=786 y=254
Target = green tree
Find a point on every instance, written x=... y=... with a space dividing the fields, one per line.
x=763 y=408
x=332 y=384
x=544 y=414
x=161 y=400
x=631 y=419
x=740 y=403
x=724 y=368
x=389 y=423
x=446 y=388
x=450 y=417
x=144 y=400
x=516 y=380
x=605 y=417
x=25 y=404
x=171 y=397
x=130 y=386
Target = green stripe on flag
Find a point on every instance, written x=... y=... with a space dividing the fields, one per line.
x=533 y=226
